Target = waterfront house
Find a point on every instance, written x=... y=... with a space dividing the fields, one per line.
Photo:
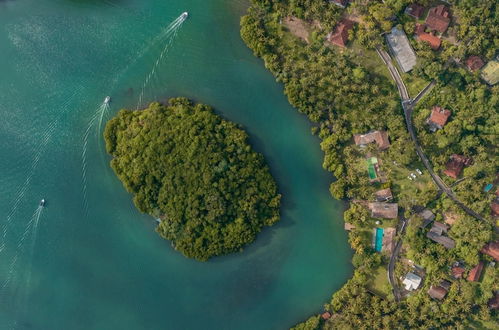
x=438 y=118
x=474 y=63
x=491 y=249
x=414 y=10
x=476 y=272
x=455 y=165
x=383 y=210
x=383 y=195
x=339 y=36
x=401 y=49
x=326 y=316
x=380 y=137
x=438 y=18
x=411 y=281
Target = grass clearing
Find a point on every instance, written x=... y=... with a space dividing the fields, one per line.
x=378 y=283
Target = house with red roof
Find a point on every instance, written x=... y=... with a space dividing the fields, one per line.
x=429 y=38
x=339 y=36
x=476 y=272
x=474 y=63
x=455 y=165
x=438 y=18
x=438 y=117
x=414 y=10
x=491 y=249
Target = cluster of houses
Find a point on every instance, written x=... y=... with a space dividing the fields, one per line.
x=437 y=21
x=412 y=281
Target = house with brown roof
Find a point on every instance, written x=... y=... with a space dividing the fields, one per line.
x=493 y=302
x=339 y=36
x=439 y=291
x=455 y=165
x=474 y=63
x=494 y=207
x=388 y=243
x=457 y=271
x=491 y=249
x=436 y=234
x=383 y=210
x=380 y=137
x=383 y=195
x=438 y=18
x=438 y=118
x=414 y=10
x=476 y=272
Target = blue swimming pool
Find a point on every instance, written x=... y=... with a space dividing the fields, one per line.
x=378 y=242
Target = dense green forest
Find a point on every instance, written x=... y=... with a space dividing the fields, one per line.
x=345 y=91
x=197 y=173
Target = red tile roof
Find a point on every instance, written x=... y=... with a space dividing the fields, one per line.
x=415 y=10
x=474 y=63
x=380 y=137
x=456 y=164
x=439 y=115
x=438 y=18
x=457 y=271
x=476 y=272
x=339 y=36
x=492 y=249
x=326 y=316
x=431 y=39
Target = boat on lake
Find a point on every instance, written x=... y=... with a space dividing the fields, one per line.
x=107 y=100
x=185 y=15
x=42 y=203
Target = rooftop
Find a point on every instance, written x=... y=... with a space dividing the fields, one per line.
x=490 y=73
x=383 y=195
x=431 y=39
x=380 y=137
x=437 y=292
x=439 y=116
x=492 y=249
x=401 y=49
x=438 y=18
x=411 y=281
x=384 y=210
x=457 y=271
x=339 y=36
x=476 y=272
x=415 y=10
x=474 y=63
x=456 y=164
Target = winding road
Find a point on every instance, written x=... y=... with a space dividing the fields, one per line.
x=408 y=106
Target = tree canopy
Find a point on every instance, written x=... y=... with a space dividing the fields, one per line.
x=197 y=173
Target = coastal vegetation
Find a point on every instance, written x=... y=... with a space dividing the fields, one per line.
x=196 y=172
x=347 y=91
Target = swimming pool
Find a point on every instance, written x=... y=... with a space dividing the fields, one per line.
x=378 y=241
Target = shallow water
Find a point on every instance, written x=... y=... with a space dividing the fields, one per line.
x=92 y=261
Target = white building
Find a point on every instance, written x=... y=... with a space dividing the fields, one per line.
x=411 y=281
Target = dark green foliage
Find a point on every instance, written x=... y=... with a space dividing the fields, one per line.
x=195 y=171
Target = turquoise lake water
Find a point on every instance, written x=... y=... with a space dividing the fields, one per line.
x=89 y=260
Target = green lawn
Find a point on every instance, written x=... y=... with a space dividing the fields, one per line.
x=378 y=283
x=414 y=84
x=369 y=59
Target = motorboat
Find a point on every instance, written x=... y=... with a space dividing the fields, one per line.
x=107 y=100
x=185 y=15
x=42 y=203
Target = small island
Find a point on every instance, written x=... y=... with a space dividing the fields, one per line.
x=196 y=173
